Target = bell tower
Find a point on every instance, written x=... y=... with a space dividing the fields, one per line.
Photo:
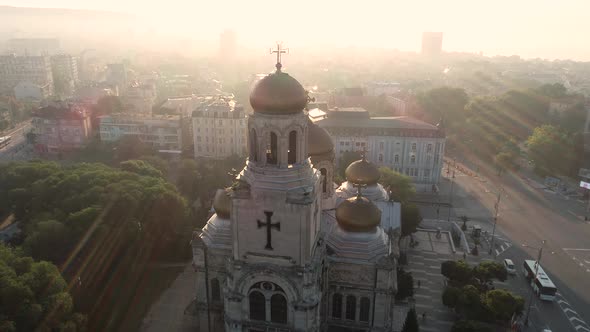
x=273 y=276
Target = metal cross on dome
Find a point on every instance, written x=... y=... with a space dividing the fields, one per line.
x=364 y=153
x=280 y=50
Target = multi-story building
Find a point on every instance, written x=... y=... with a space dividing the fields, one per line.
x=219 y=128
x=116 y=75
x=33 y=46
x=65 y=68
x=406 y=145
x=31 y=69
x=61 y=127
x=432 y=43
x=140 y=98
x=32 y=92
x=163 y=132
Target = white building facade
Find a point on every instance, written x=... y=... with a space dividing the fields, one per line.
x=406 y=145
x=31 y=69
x=164 y=133
x=140 y=98
x=219 y=128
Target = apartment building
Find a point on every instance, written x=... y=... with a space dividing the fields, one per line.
x=163 y=132
x=219 y=128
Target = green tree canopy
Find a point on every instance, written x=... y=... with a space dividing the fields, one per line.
x=551 y=150
x=411 y=322
x=400 y=187
x=445 y=103
x=411 y=218
x=140 y=167
x=33 y=296
x=405 y=284
x=503 y=304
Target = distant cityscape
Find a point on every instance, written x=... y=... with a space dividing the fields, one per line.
x=358 y=190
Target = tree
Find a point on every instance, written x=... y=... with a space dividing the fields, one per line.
x=411 y=218
x=400 y=187
x=551 y=150
x=444 y=103
x=411 y=323
x=140 y=167
x=503 y=304
x=488 y=270
x=158 y=163
x=405 y=284
x=189 y=179
x=458 y=272
x=108 y=105
x=555 y=90
x=131 y=147
x=33 y=295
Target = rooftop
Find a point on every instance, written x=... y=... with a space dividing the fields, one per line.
x=393 y=122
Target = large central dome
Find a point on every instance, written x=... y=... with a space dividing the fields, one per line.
x=278 y=93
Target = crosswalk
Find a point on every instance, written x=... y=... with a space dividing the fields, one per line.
x=574 y=318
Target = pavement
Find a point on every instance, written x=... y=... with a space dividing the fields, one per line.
x=167 y=314
x=424 y=262
x=527 y=215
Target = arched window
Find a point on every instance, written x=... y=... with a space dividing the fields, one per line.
x=337 y=306
x=253 y=145
x=365 y=305
x=278 y=309
x=350 y=307
x=215 y=290
x=271 y=150
x=381 y=157
x=257 y=306
x=413 y=159
x=396 y=158
x=324 y=180
x=292 y=153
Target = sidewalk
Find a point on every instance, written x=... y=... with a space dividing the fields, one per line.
x=424 y=262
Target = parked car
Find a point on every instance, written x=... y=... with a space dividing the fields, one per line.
x=510 y=268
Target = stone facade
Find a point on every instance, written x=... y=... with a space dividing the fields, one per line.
x=276 y=258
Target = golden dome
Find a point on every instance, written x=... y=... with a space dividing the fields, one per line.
x=278 y=93
x=318 y=140
x=358 y=214
x=362 y=172
x=222 y=203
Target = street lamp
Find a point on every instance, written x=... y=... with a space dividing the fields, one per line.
x=528 y=311
x=496 y=208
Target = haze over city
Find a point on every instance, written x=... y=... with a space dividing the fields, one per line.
x=529 y=28
x=309 y=166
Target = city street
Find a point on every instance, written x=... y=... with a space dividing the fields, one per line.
x=527 y=215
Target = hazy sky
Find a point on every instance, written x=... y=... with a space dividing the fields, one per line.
x=530 y=28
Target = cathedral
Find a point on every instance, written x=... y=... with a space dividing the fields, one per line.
x=287 y=249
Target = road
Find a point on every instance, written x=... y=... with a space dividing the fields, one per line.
x=18 y=140
x=529 y=214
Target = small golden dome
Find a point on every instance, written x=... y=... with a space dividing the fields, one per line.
x=222 y=203
x=278 y=93
x=318 y=140
x=362 y=172
x=358 y=214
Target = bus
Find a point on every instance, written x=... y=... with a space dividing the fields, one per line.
x=5 y=141
x=542 y=284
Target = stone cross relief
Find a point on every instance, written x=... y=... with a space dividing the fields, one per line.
x=269 y=225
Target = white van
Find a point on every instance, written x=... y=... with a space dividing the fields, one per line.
x=509 y=265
